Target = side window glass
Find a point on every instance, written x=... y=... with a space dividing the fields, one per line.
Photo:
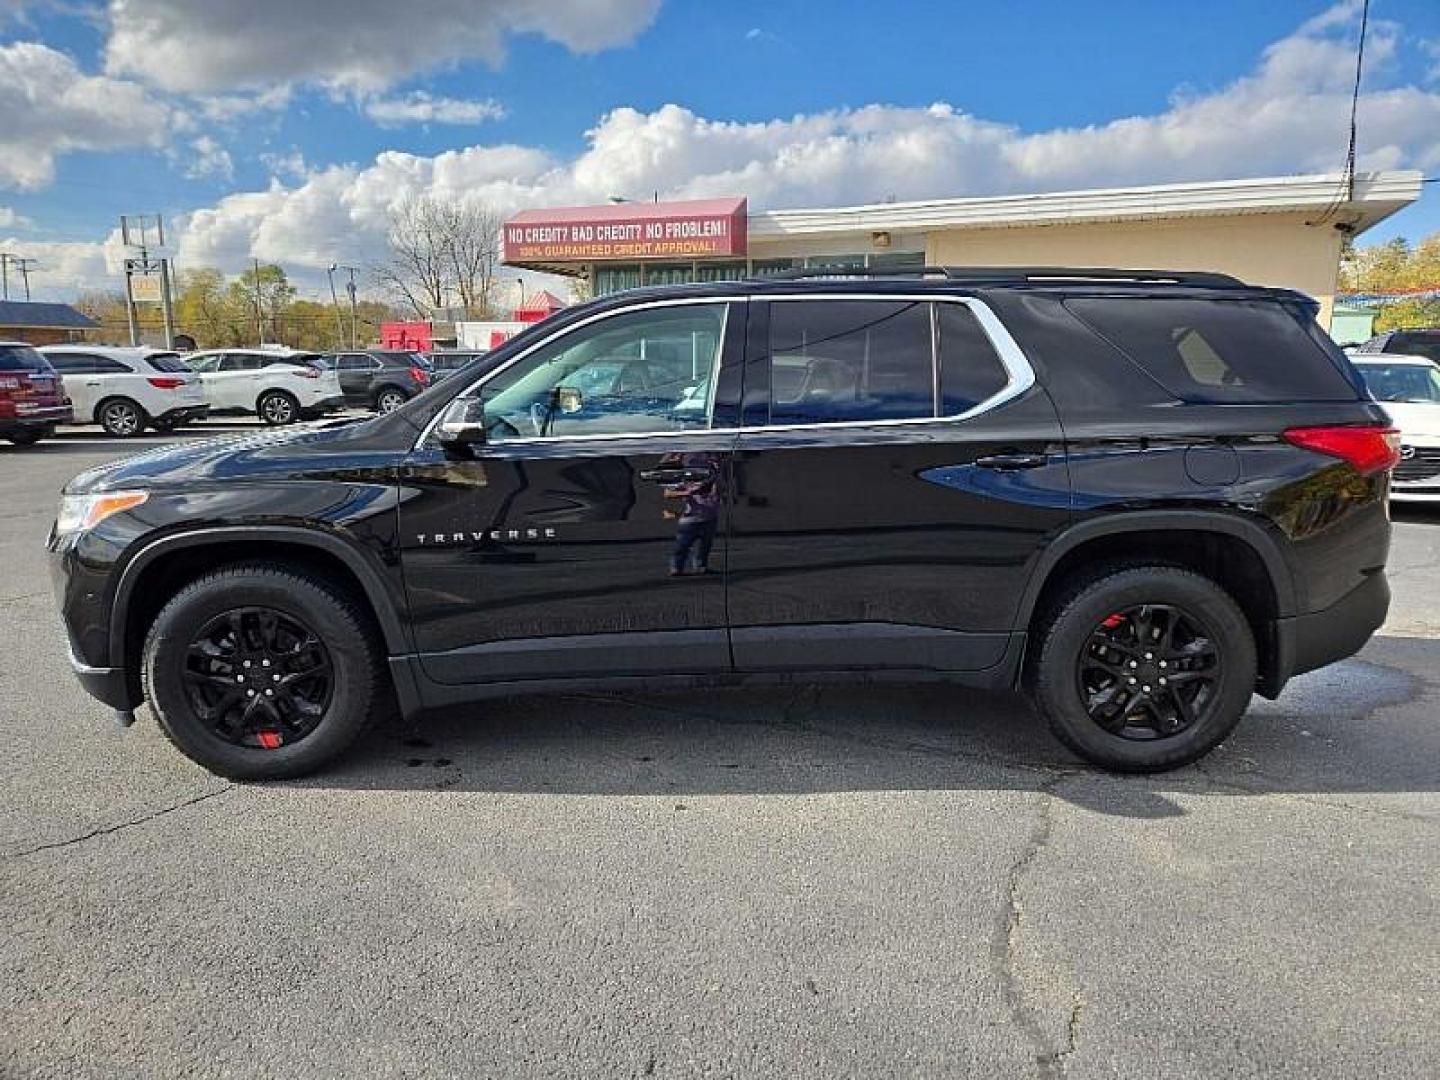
x=641 y=372
x=71 y=363
x=970 y=369
x=838 y=360
x=103 y=365
x=203 y=364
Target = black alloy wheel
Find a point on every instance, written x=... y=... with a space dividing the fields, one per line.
x=259 y=678
x=1139 y=668
x=1149 y=672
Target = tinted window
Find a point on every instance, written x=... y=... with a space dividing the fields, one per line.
x=1426 y=345
x=71 y=363
x=616 y=376
x=356 y=362
x=1221 y=351
x=21 y=358
x=836 y=360
x=970 y=369
x=104 y=365
x=204 y=364
x=166 y=362
x=241 y=362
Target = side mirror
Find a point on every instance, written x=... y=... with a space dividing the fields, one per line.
x=462 y=425
x=568 y=400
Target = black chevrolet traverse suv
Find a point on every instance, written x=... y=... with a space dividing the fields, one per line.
x=1142 y=497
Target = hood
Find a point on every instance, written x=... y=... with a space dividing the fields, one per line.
x=1416 y=420
x=275 y=453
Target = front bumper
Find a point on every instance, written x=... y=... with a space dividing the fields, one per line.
x=106 y=685
x=183 y=414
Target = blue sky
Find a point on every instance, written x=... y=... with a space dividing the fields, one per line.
x=281 y=130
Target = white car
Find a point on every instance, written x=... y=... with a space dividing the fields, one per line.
x=1409 y=388
x=126 y=390
x=278 y=386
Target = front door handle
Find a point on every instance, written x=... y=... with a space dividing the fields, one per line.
x=1009 y=462
x=677 y=476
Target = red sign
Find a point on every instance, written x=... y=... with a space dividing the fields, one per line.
x=704 y=228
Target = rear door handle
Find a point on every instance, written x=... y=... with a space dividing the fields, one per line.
x=677 y=476
x=1009 y=462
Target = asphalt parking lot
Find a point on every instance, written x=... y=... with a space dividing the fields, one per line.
x=809 y=882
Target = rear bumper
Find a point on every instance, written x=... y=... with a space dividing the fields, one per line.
x=1306 y=642
x=38 y=418
x=328 y=404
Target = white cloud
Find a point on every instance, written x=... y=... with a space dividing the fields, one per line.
x=207 y=158
x=203 y=46
x=422 y=108
x=228 y=108
x=50 y=107
x=9 y=219
x=65 y=268
x=291 y=164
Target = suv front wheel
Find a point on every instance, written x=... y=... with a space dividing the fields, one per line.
x=1144 y=668
x=257 y=672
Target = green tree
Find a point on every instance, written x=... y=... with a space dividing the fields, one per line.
x=1394 y=267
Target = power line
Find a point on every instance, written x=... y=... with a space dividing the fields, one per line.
x=1346 y=193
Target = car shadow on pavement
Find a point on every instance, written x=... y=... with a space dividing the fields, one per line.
x=1359 y=727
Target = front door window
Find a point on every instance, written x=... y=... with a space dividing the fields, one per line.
x=642 y=372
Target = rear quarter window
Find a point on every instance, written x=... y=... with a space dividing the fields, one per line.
x=1221 y=351
x=169 y=363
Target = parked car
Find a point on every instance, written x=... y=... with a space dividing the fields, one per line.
x=279 y=386
x=445 y=362
x=1409 y=388
x=1142 y=497
x=380 y=379
x=1424 y=343
x=126 y=390
x=32 y=398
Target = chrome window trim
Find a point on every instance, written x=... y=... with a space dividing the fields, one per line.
x=1020 y=375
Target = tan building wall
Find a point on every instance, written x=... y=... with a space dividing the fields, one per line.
x=35 y=335
x=1262 y=249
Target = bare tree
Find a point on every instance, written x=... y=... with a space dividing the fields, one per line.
x=438 y=249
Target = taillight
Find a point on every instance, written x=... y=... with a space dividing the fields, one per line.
x=165 y=383
x=1367 y=449
x=420 y=375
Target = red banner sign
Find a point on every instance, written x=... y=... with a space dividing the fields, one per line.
x=702 y=229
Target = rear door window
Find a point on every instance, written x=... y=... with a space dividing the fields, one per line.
x=833 y=361
x=72 y=363
x=1220 y=351
x=970 y=369
x=169 y=363
x=1426 y=345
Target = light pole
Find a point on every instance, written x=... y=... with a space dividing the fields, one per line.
x=354 y=317
x=335 y=302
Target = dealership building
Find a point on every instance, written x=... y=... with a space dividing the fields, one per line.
x=1284 y=231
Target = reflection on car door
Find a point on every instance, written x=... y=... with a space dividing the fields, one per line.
x=868 y=531
x=356 y=373
x=586 y=536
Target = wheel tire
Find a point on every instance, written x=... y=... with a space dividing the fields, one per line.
x=344 y=628
x=165 y=427
x=1054 y=678
x=390 y=399
x=120 y=417
x=29 y=438
x=277 y=408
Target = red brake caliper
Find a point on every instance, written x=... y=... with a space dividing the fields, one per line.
x=270 y=740
x=1113 y=621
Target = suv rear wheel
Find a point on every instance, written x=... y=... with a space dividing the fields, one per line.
x=1144 y=668
x=121 y=417
x=276 y=407
x=259 y=673
x=390 y=399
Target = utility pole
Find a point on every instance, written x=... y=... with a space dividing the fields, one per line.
x=24 y=265
x=335 y=303
x=350 y=288
x=153 y=273
x=5 y=275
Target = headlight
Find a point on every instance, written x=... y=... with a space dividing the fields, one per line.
x=79 y=513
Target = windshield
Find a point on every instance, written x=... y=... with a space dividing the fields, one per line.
x=1401 y=382
x=22 y=358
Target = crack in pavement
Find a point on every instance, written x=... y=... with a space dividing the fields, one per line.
x=108 y=829
x=1050 y=1061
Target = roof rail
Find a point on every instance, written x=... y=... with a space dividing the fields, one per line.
x=1009 y=274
